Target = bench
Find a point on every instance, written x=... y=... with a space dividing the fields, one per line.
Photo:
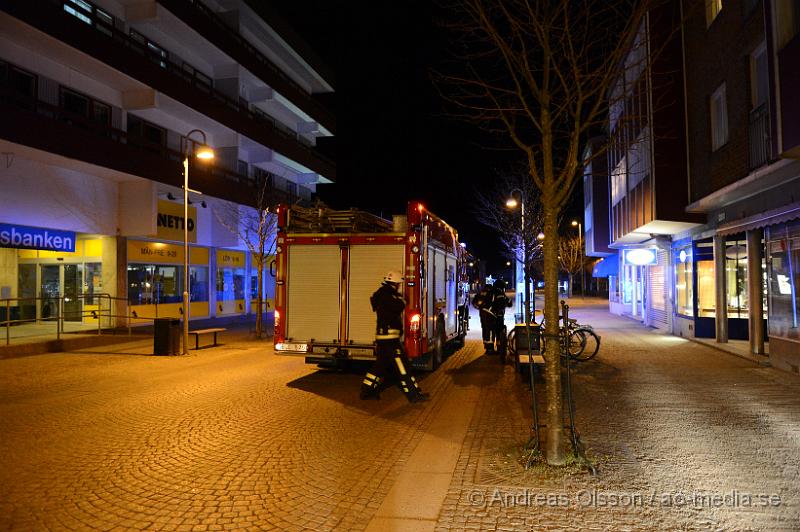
x=201 y=332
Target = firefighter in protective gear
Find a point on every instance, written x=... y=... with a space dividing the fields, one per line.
x=388 y=304
x=483 y=302
x=500 y=302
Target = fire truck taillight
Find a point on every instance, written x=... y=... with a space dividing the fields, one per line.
x=277 y=319
x=414 y=322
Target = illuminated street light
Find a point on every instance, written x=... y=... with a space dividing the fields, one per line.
x=540 y=236
x=205 y=153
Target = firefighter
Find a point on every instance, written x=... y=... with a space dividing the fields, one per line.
x=483 y=302
x=388 y=304
x=500 y=302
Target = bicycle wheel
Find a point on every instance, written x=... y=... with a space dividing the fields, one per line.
x=591 y=344
x=576 y=344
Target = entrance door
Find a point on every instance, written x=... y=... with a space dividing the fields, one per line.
x=73 y=281
x=49 y=286
x=27 y=291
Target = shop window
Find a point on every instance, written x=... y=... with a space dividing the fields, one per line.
x=684 y=284
x=198 y=283
x=230 y=284
x=92 y=282
x=736 y=278
x=783 y=248
x=150 y=284
x=706 y=284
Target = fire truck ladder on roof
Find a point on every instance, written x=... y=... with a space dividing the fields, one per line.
x=325 y=220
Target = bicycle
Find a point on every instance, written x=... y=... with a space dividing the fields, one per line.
x=582 y=342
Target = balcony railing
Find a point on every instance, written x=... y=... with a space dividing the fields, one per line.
x=11 y=97
x=759 y=133
x=239 y=105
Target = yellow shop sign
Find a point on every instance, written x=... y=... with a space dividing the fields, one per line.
x=230 y=259
x=140 y=251
x=170 y=221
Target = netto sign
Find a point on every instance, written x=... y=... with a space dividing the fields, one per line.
x=169 y=221
x=23 y=237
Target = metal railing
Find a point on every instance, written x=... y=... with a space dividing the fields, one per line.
x=105 y=311
x=759 y=135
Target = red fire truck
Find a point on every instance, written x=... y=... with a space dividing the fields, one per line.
x=330 y=262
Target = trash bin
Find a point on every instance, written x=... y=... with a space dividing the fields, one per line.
x=521 y=338
x=166 y=336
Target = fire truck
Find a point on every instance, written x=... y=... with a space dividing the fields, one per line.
x=329 y=263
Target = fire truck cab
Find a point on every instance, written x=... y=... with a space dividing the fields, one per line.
x=329 y=263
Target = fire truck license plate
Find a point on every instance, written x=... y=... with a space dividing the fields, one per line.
x=294 y=347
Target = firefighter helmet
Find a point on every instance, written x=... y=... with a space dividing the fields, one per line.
x=393 y=277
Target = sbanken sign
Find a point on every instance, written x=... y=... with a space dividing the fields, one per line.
x=24 y=237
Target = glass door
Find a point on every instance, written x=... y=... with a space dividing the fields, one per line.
x=26 y=274
x=49 y=290
x=73 y=282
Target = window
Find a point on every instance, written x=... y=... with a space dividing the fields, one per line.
x=146 y=134
x=230 y=284
x=684 y=284
x=618 y=184
x=150 y=284
x=719 y=118
x=20 y=83
x=713 y=7
x=736 y=278
x=706 y=283
x=90 y=14
x=198 y=283
x=80 y=110
x=759 y=76
x=155 y=52
x=291 y=188
x=787 y=17
x=783 y=247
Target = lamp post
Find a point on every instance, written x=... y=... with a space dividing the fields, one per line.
x=580 y=245
x=205 y=153
x=511 y=203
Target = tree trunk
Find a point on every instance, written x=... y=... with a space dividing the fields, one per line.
x=260 y=300
x=571 y=280
x=554 y=452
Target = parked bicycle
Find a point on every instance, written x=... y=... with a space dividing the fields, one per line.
x=582 y=342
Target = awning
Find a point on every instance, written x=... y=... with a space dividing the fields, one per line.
x=762 y=219
x=606 y=266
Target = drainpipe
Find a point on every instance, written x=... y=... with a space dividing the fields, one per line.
x=721 y=290
x=755 y=313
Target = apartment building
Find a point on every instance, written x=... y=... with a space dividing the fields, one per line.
x=706 y=212
x=101 y=103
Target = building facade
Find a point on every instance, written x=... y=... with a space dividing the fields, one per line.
x=716 y=226
x=102 y=102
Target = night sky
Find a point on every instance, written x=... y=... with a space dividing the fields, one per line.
x=395 y=141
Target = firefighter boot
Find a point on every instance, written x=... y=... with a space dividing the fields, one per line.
x=369 y=387
x=488 y=347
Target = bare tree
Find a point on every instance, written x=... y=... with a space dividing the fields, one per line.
x=256 y=227
x=520 y=241
x=570 y=257
x=539 y=73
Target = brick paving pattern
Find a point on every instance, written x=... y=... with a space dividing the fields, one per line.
x=236 y=438
x=663 y=418
x=230 y=438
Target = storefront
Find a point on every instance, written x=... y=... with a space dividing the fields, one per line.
x=641 y=290
x=155 y=280
x=230 y=282
x=48 y=273
x=268 y=283
x=783 y=257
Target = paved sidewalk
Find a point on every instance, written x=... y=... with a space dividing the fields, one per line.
x=682 y=434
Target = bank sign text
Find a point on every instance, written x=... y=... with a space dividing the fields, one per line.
x=20 y=236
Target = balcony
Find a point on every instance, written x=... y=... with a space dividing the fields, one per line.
x=97 y=38
x=50 y=128
x=203 y=20
x=759 y=135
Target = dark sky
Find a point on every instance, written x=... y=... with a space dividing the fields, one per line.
x=394 y=141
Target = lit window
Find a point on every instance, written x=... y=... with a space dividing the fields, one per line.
x=719 y=118
x=713 y=7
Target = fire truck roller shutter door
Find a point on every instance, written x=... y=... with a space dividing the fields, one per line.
x=452 y=300
x=368 y=266
x=313 y=292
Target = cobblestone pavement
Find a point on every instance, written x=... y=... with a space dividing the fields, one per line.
x=685 y=438
x=224 y=438
x=235 y=437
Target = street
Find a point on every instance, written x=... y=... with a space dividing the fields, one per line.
x=235 y=437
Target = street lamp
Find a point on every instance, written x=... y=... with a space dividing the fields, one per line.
x=205 y=153
x=580 y=248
